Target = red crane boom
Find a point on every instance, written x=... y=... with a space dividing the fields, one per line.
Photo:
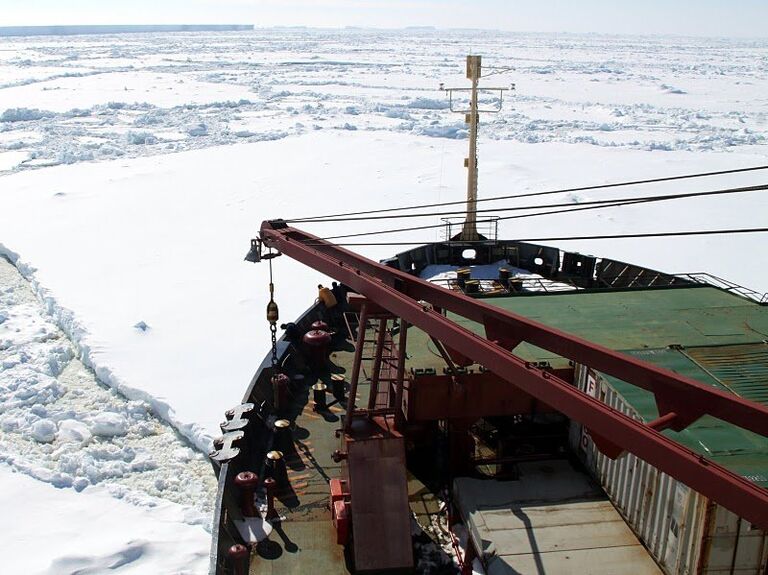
x=680 y=400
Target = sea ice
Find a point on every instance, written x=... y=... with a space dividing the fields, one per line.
x=134 y=170
x=60 y=426
x=72 y=430
x=43 y=430
x=108 y=424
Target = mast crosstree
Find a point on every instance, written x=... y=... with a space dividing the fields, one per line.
x=472 y=116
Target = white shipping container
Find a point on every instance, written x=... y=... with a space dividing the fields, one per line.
x=684 y=531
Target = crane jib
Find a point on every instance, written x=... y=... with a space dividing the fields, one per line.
x=680 y=400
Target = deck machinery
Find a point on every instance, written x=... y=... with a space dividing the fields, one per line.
x=425 y=387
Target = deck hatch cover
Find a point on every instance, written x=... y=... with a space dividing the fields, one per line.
x=741 y=368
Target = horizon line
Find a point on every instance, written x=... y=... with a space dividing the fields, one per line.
x=32 y=28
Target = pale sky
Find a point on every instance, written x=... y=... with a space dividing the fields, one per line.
x=739 y=18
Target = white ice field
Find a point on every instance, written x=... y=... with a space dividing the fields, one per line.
x=134 y=169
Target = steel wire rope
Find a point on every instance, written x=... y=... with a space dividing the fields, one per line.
x=533 y=194
x=558 y=238
x=579 y=207
x=618 y=201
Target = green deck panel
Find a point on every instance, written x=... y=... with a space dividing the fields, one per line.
x=737 y=449
x=722 y=333
x=653 y=318
x=741 y=368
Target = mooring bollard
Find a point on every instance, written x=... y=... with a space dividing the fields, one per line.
x=238 y=556
x=247 y=482
x=337 y=386
x=280 y=383
x=318 y=396
x=472 y=286
x=462 y=275
x=282 y=432
x=276 y=466
x=270 y=485
x=317 y=344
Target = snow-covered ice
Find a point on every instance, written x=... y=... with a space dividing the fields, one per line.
x=135 y=168
x=82 y=96
x=56 y=531
x=62 y=431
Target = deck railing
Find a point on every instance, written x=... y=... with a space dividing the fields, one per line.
x=729 y=286
x=487 y=227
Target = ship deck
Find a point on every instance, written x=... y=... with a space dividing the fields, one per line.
x=696 y=317
x=304 y=535
x=690 y=316
x=702 y=332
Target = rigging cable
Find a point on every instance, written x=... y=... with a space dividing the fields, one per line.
x=612 y=201
x=319 y=242
x=579 y=207
x=532 y=194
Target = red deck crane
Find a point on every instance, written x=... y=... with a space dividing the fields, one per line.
x=680 y=400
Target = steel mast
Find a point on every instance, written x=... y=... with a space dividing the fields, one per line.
x=472 y=116
x=470 y=223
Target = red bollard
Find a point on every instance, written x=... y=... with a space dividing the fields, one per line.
x=280 y=383
x=239 y=555
x=317 y=343
x=247 y=482
x=269 y=483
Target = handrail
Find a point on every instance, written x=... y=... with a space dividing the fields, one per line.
x=727 y=285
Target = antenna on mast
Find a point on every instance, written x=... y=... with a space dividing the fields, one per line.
x=471 y=117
